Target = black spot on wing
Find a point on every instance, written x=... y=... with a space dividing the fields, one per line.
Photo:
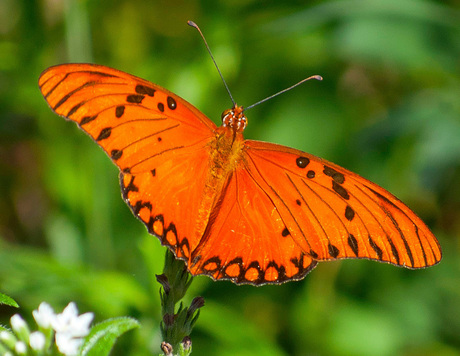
x=135 y=99
x=171 y=103
x=340 y=190
x=311 y=174
x=119 y=111
x=75 y=108
x=87 y=119
x=333 y=250
x=376 y=248
x=116 y=154
x=105 y=133
x=353 y=243
x=349 y=213
x=336 y=176
x=161 y=107
x=313 y=254
x=302 y=162
x=395 y=252
x=143 y=89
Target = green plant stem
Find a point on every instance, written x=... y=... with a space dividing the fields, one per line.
x=176 y=325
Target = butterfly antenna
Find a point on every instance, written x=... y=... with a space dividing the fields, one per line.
x=193 y=24
x=317 y=77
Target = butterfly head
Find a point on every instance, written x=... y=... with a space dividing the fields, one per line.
x=234 y=118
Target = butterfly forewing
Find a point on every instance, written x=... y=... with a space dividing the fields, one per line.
x=131 y=119
x=332 y=213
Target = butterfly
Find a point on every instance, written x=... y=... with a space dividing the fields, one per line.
x=241 y=210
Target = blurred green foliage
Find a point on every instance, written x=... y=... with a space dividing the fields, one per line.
x=389 y=109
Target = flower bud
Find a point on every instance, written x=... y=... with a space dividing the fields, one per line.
x=20 y=348
x=8 y=339
x=20 y=327
x=37 y=341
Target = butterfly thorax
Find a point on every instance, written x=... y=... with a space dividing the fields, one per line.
x=228 y=145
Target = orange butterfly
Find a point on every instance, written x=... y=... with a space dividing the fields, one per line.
x=247 y=211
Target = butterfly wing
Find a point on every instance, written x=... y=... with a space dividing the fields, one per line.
x=244 y=239
x=157 y=140
x=332 y=213
x=133 y=120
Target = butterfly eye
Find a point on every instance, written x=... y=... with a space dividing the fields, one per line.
x=227 y=117
x=241 y=123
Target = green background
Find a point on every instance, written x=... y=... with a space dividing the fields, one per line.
x=388 y=109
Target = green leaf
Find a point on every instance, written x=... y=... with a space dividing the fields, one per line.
x=4 y=299
x=102 y=336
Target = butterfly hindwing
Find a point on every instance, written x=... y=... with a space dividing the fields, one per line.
x=242 y=242
x=166 y=198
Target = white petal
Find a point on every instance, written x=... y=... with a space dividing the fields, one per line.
x=37 y=341
x=20 y=348
x=18 y=323
x=70 y=323
x=44 y=315
x=70 y=311
x=68 y=345
x=62 y=323
x=80 y=326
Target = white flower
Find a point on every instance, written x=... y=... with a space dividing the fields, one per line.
x=20 y=348
x=37 y=341
x=70 y=329
x=17 y=323
x=20 y=327
x=44 y=315
x=69 y=322
x=7 y=338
